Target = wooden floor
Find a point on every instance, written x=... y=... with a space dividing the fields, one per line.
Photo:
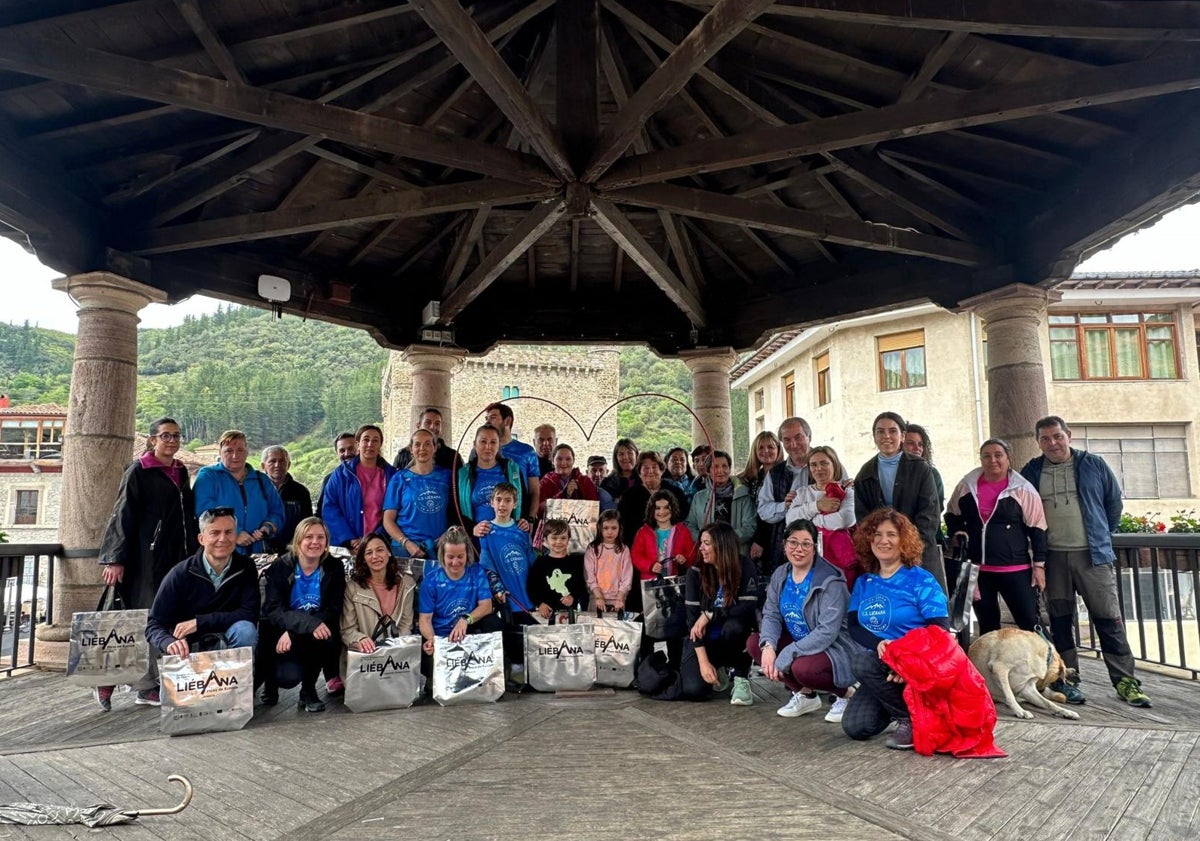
x=609 y=767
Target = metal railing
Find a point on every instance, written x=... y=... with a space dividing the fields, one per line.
x=26 y=578
x=1158 y=582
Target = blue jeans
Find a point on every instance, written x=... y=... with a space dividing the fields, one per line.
x=237 y=635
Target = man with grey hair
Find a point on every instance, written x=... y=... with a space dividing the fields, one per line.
x=297 y=501
x=210 y=600
x=545 y=439
x=1082 y=500
x=780 y=484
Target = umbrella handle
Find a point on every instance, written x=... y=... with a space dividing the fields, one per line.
x=171 y=810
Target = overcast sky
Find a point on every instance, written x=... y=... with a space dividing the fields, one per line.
x=1174 y=243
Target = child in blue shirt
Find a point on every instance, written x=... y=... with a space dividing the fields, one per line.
x=506 y=554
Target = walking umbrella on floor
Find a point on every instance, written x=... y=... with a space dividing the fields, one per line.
x=100 y=814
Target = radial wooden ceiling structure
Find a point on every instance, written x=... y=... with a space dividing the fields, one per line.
x=688 y=174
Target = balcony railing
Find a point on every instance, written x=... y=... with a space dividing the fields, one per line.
x=26 y=596
x=1158 y=579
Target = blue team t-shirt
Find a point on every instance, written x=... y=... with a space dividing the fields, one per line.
x=791 y=604
x=525 y=456
x=306 y=591
x=448 y=599
x=421 y=504
x=507 y=551
x=891 y=607
x=486 y=478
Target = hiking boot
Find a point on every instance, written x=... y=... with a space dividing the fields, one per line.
x=800 y=704
x=1131 y=692
x=335 y=686
x=1073 y=693
x=742 y=696
x=103 y=696
x=901 y=738
x=148 y=698
x=722 y=684
x=837 y=710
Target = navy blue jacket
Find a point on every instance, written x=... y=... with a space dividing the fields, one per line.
x=188 y=593
x=1099 y=499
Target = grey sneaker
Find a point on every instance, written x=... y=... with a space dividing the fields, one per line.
x=722 y=681
x=103 y=696
x=901 y=738
x=1070 y=691
x=148 y=698
x=742 y=696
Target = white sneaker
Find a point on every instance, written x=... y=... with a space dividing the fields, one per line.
x=799 y=705
x=835 y=712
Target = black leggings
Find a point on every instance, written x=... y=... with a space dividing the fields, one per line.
x=727 y=648
x=1018 y=594
x=301 y=665
x=877 y=702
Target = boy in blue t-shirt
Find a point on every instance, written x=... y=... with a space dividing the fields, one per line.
x=506 y=555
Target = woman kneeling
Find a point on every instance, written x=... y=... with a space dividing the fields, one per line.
x=894 y=596
x=301 y=615
x=720 y=595
x=804 y=642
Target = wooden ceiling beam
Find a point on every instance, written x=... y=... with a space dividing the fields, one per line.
x=335 y=214
x=421 y=248
x=1089 y=19
x=625 y=235
x=116 y=74
x=462 y=35
x=734 y=265
x=510 y=249
x=198 y=22
x=995 y=104
x=577 y=55
x=456 y=263
x=717 y=28
x=142 y=186
x=716 y=207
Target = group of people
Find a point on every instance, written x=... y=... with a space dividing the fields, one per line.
x=791 y=563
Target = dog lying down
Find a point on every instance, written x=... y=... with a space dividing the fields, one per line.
x=1018 y=663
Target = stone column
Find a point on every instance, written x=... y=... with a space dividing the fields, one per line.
x=98 y=443
x=1016 y=372
x=710 y=395
x=432 y=368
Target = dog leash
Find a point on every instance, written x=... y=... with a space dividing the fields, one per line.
x=1040 y=630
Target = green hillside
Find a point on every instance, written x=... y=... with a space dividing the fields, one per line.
x=295 y=381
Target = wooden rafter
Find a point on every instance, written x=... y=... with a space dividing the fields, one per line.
x=733 y=264
x=717 y=28
x=999 y=103
x=577 y=56
x=522 y=237
x=474 y=50
x=1107 y=20
x=422 y=248
x=784 y=220
x=198 y=21
x=456 y=263
x=625 y=235
x=279 y=223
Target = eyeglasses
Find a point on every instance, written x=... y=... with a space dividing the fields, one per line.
x=804 y=545
x=169 y=436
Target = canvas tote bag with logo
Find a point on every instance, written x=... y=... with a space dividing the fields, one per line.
x=108 y=645
x=468 y=672
x=207 y=691
x=559 y=657
x=389 y=678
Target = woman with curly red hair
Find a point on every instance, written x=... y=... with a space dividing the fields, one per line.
x=893 y=596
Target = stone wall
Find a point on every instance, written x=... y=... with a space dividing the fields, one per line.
x=49 y=487
x=584 y=381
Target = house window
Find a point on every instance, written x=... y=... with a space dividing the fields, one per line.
x=789 y=395
x=901 y=360
x=760 y=400
x=26 y=511
x=1113 y=346
x=31 y=439
x=821 y=366
x=510 y=391
x=1150 y=462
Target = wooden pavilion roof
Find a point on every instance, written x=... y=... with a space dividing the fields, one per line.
x=686 y=173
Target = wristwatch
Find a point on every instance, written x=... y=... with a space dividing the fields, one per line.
x=468 y=618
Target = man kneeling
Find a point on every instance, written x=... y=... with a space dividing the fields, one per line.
x=208 y=601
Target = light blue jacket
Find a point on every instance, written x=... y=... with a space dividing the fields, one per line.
x=254 y=502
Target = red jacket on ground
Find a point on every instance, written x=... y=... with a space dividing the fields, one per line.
x=952 y=711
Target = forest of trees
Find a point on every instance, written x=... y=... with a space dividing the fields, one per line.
x=293 y=381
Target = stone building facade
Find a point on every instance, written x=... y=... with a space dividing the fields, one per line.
x=583 y=380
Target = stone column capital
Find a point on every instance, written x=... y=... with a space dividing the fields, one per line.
x=434 y=358
x=709 y=360
x=1017 y=300
x=105 y=290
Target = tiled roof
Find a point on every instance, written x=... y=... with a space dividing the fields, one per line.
x=35 y=409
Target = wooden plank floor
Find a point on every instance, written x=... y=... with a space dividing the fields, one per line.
x=602 y=767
